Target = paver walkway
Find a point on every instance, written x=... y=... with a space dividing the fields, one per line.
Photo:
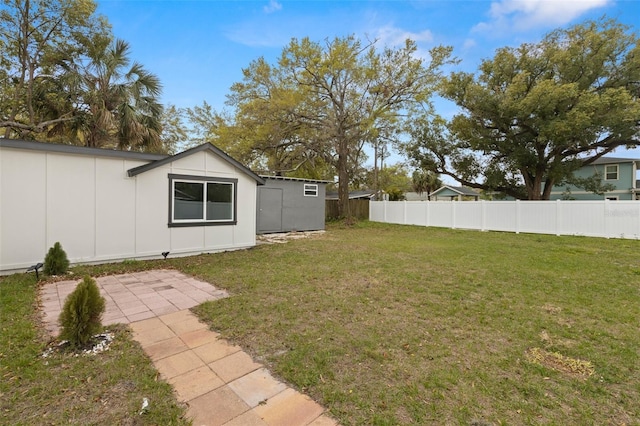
x=220 y=383
x=133 y=297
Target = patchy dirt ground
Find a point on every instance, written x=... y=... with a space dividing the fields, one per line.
x=283 y=237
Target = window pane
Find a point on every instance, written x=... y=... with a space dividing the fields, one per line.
x=611 y=172
x=219 y=201
x=188 y=200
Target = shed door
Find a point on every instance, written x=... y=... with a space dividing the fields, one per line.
x=269 y=210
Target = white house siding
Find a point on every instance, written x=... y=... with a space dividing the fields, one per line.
x=22 y=207
x=152 y=205
x=99 y=214
x=116 y=209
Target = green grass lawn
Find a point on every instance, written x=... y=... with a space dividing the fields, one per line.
x=63 y=388
x=389 y=324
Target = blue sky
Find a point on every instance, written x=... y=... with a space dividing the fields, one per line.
x=198 y=48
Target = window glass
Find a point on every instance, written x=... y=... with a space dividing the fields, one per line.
x=202 y=200
x=188 y=200
x=219 y=201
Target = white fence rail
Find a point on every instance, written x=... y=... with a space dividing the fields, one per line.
x=608 y=219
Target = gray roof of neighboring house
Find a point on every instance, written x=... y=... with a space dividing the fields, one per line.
x=204 y=147
x=295 y=179
x=80 y=150
x=461 y=190
x=610 y=160
x=352 y=195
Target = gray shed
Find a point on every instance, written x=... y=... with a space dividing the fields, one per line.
x=290 y=204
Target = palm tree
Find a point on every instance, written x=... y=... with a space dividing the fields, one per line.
x=120 y=102
x=425 y=181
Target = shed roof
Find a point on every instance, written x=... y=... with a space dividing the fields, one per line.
x=295 y=179
x=204 y=147
x=80 y=150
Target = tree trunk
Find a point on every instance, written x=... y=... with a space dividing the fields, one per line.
x=343 y=180
x=548 y=185
x=23 y=41
x=533 y=184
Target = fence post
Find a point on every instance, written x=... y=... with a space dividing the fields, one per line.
x=558 y=217
x=483 y=215
x=384 y=211
x=605 y=228
x=517 y=216
x=404 y=213
x=453 y=214
x=426 y=213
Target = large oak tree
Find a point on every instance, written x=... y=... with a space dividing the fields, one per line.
x=323 y=101
x=534 y=114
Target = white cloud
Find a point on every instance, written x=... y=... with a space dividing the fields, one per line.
x=469 y=44
x=273 y=6
x=522 y=15
x=392 y=36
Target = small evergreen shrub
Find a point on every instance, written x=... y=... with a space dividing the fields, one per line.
x=56 y=262
x=82 y=313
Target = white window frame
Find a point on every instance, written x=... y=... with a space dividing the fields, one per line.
x=201 y=180
x=606 y=173
x=310 y=189
x=612 y=197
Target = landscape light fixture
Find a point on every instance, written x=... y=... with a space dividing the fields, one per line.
x=35 y=268
x=165 y=254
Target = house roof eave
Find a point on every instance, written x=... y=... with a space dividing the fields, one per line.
x=204 y=147
x=78 y=150
x=460 y=190
x=614 y=160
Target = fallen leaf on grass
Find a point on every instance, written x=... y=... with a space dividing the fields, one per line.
x=559 y=362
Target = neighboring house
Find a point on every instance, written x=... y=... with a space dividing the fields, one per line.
x=105 y=205
x=619 y=172
x=414 y=196
x=358 y=204
x=454 y=193
x=290 y=204
x=353 y=195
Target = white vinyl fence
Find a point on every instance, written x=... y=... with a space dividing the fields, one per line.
x=609 y=219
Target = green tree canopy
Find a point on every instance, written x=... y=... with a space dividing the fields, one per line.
x=425 y=182
x=393 y=179
x=39 y=42
x=63 y=78
x=534 y=114
x=320 y=104
x=174 y=130
x=119 y=100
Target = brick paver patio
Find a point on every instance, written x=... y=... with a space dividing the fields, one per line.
x=219 y=383
x=133 y=297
